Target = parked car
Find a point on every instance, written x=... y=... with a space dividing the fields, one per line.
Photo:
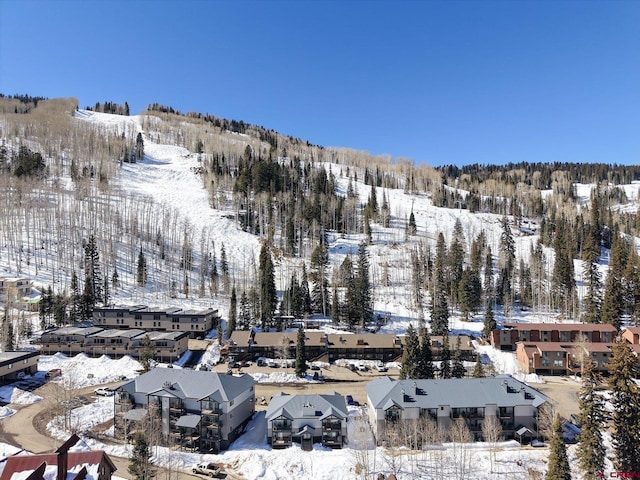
x=53 y=373
x=362 y=367
x=210 y=469
x=315 y=367
x=351 y=401
x=381 y=367
x=103 y=392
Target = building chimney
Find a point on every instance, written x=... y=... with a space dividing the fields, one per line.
x=61 y=456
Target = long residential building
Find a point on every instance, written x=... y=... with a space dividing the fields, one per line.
x=515 y=404
x=197 y=323
x=247 y=344
x=510 y=334
x=96 y=341
x=12 y=363
x=194 y=410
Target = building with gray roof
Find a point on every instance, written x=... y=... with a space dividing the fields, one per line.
x=307 y=419
x=195 y=410
x=515 y=404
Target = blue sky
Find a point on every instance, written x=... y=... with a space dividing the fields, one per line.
x=453 y=82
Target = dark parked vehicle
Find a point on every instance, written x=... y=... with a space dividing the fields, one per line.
x=53 y=373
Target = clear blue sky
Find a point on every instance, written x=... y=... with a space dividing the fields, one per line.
x=440 y=82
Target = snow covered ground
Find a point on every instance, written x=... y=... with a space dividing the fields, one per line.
x=166 y=175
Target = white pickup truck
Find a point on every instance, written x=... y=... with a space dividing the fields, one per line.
x=210 y=469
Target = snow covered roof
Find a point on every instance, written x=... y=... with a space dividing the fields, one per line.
x=193 y=384
x=188 y=421
x=502 y=390
x=301 y=406
x=19 y=467
x=562 y=327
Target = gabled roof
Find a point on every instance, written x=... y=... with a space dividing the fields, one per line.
x=502 y=391
x=307 y=406
x=193 y=384
x=17 y=465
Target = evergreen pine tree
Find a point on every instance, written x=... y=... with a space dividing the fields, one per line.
x=613 y=301
x=558 y=460
x=363 y=285
x=115 y=279
x=147 y=354
x=445 y=369
x=93 y=285
x=268 y=298
x=320 y=284
x=623 y=369
x=139 y=147
x=591 y=451
x=424 y=364
x=335 y=306
x=439 y=303
x=233 y=312
x=301 y=357
x=590 y=258
x=224 y=269
x=478 y=370
x=141 y=276
x=489 y=322
x=410 y=354
x=244 y=320
x=411 y=226
x=458 y=370
x=141 y=466
x=75 y=300
x=8 y=345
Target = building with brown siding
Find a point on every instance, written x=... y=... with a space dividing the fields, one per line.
x=510 y=334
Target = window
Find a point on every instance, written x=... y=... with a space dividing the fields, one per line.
x=120 y=315
x=138 y=316
x=156 y=317
x=558 y=363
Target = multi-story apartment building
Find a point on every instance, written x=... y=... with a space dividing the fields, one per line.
x=556 y=358
x=307 y=419
x=96 y=341
x=510 y=334
x=195 y=410
x=515 y=404
x=195 y=322
x=362 y=346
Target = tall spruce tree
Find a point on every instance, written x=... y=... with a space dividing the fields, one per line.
x=591 y=451
x=625 y=398
x=439 y=303
x=592 y=277
x=458 y=370
x=363 y=285
x=489 y=322
x=92 y=293
x=233 y=312
x=139 y=147
x=613 y=301
x=268 y=297
x=320 y=284
x=558 y=460
x=424 y=364
x=141 y=275
x=301 y=354
x=445 y=356
x=410 y=354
